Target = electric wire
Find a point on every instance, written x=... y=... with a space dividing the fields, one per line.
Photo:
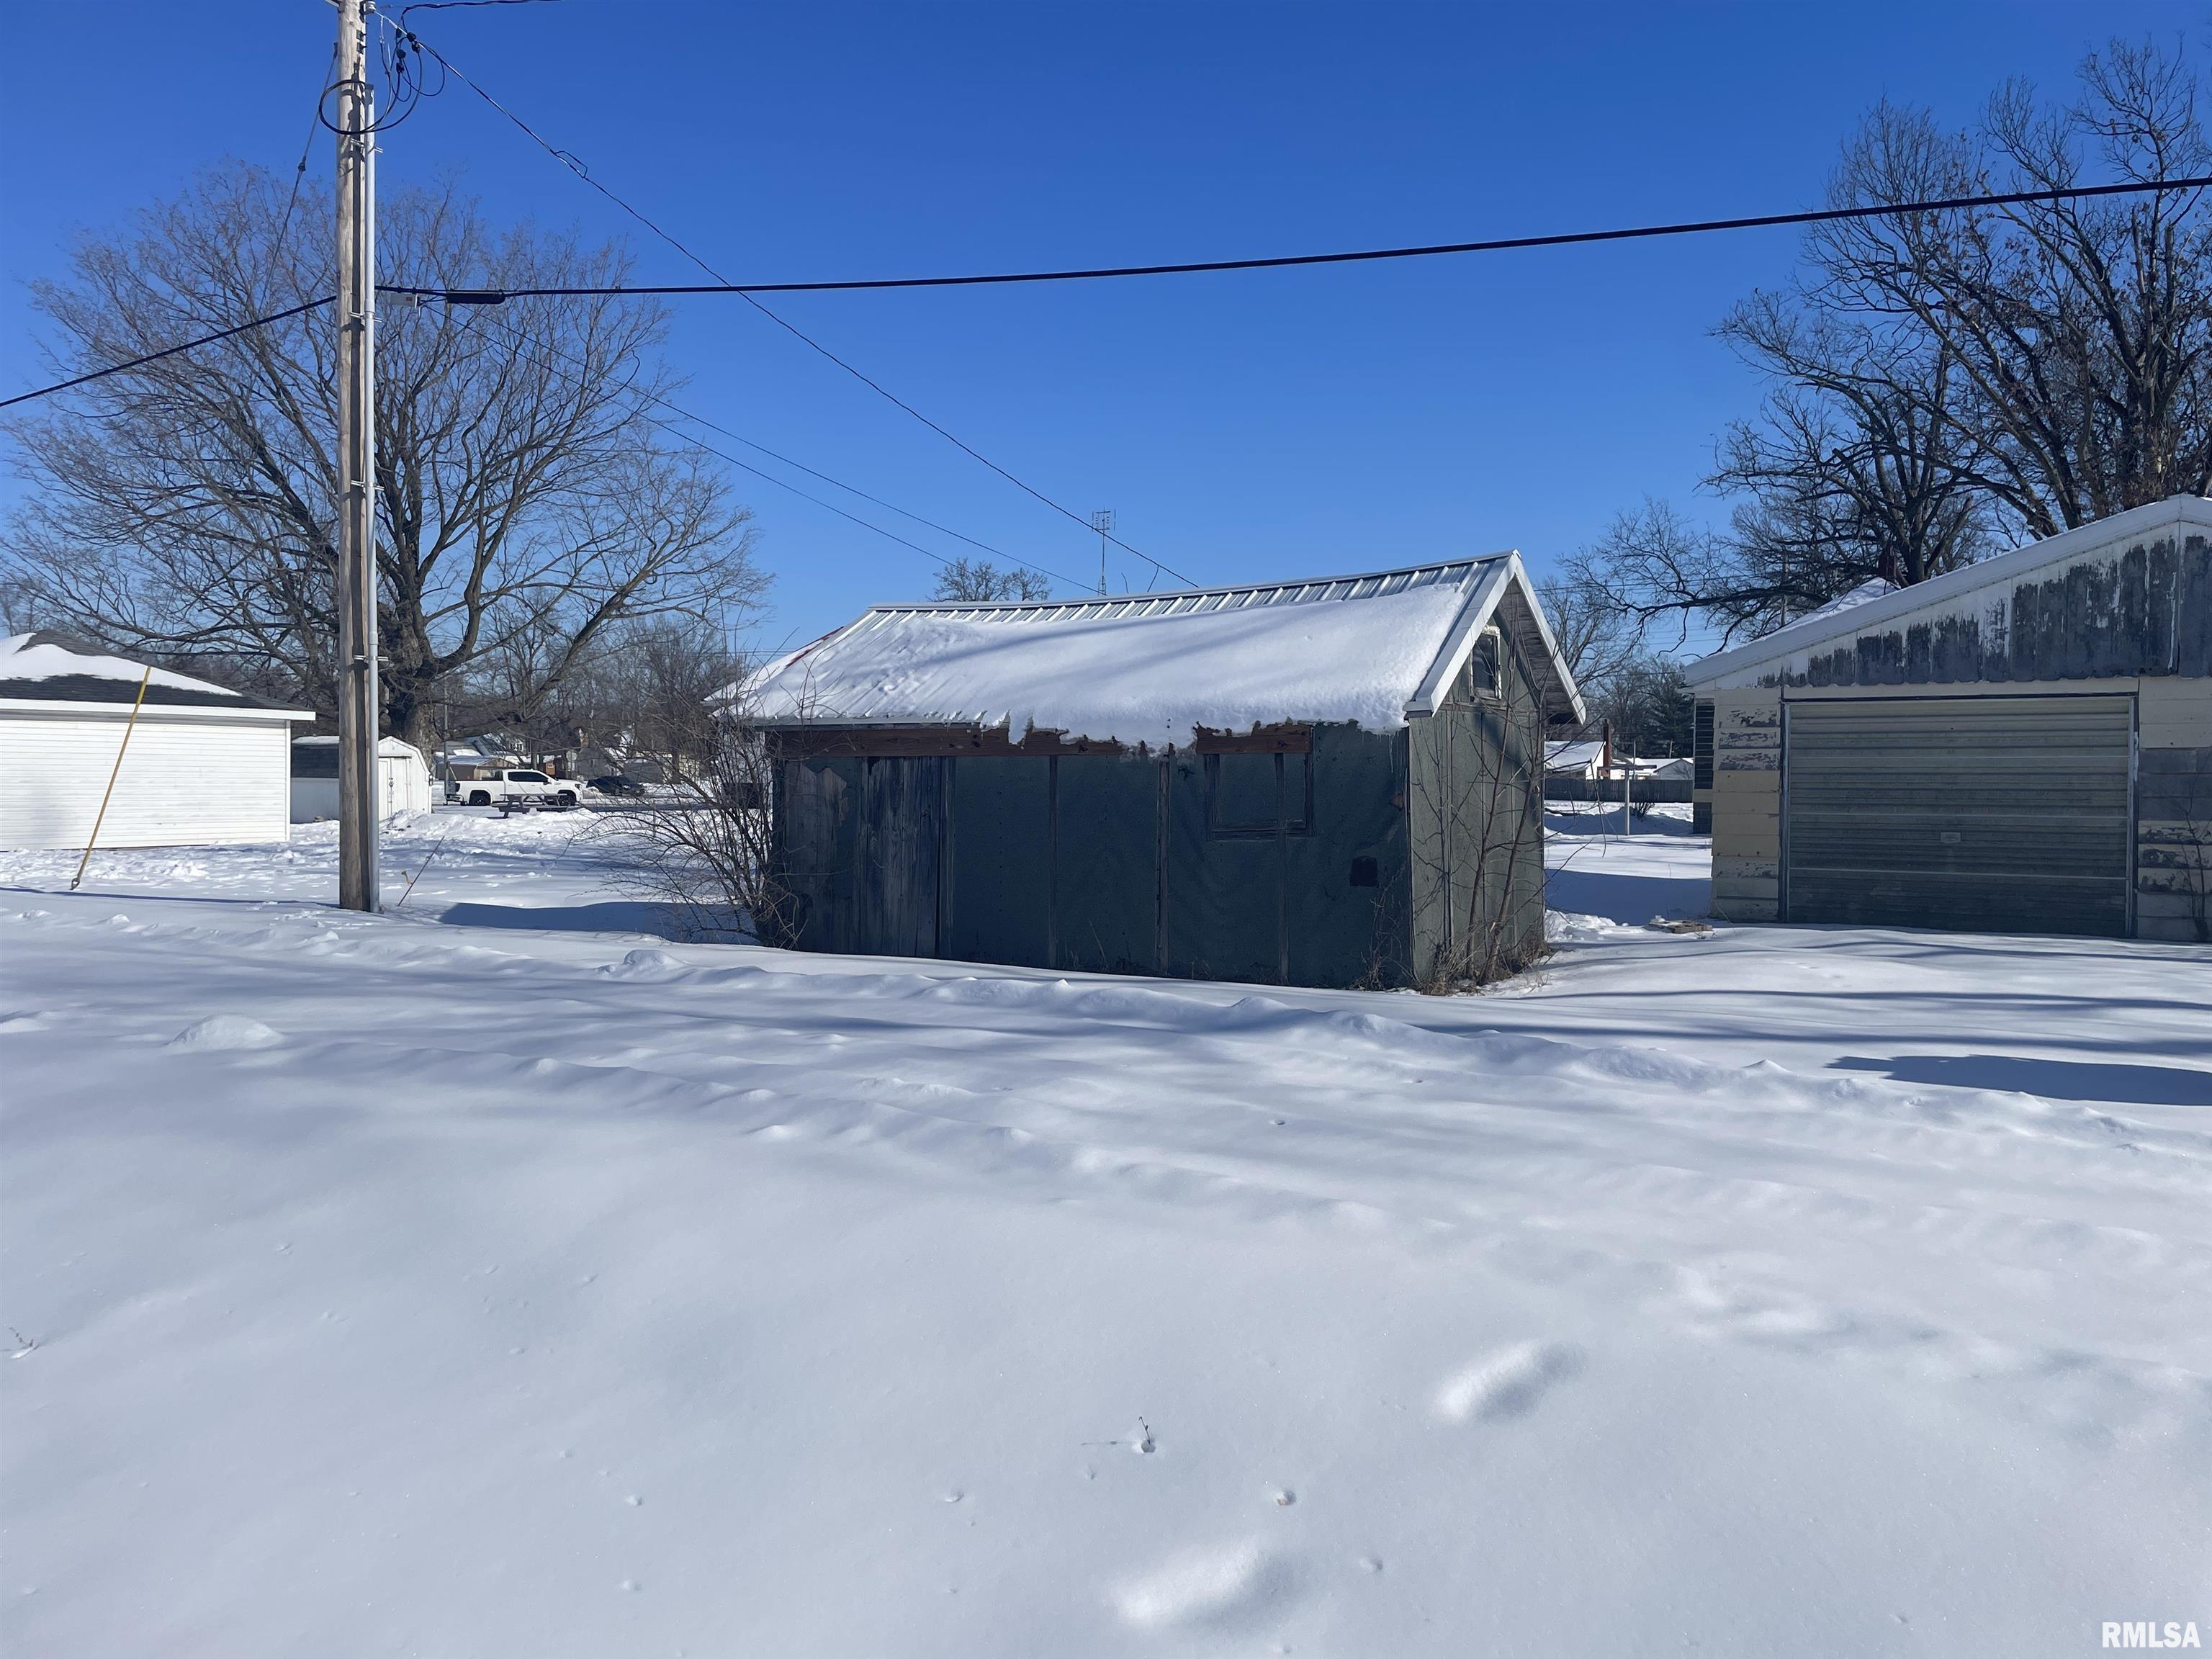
x=1496 y=244
x=541 y=350
x=171 y=351
x=300 y=173
x=569 y=162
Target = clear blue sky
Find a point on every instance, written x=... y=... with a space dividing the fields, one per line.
x=1243 y=425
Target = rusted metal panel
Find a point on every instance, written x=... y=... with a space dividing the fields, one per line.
x=951 y=742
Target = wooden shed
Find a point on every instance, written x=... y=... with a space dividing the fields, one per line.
x=206 y=766
x=1324 y=782
x=2023 y=746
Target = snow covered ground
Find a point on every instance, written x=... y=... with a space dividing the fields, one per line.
x=492 y=1277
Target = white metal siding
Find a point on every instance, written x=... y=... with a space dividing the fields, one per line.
x=186 y=780
x=2000 y=813
x=406 y=789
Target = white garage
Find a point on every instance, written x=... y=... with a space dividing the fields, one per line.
x=204 y=766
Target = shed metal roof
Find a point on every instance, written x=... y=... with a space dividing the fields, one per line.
x=1374 y=647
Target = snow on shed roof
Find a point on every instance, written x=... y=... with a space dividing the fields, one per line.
x=1152 y=668
x=54 y=668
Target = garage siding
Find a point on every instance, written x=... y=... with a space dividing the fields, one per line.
x=187 y=779
x=2005 y=814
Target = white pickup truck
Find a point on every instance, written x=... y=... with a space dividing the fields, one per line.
x=515 y=790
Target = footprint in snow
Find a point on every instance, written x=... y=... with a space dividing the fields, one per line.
x=1507 y=1383
x=220 y=1031
x=1214 y=1587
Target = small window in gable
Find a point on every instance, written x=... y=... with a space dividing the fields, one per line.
x=1479 y=681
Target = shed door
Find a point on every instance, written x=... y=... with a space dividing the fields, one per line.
x=2004 y=814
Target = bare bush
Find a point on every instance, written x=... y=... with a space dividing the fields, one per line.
x=706 y=850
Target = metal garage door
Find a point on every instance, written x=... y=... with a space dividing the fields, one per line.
x=2009 y=814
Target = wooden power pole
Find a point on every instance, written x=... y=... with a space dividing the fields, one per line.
x=359 y=794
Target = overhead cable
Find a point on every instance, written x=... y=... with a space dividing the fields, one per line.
x=156 y=356
x=543 y=352
x=724 y=284
x=1495 y=245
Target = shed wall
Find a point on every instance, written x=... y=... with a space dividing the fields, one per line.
x=185 y=782
x=1110 y=863
x=1476 y=827
x=2172 y=801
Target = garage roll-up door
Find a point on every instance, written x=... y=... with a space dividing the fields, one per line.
x=2009 y=814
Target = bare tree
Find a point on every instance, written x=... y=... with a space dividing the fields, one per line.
x=1947 y=382
x=979 y=581
x=526 y=507
x=1596 y=635
x=2080 y=332
x=650 y=690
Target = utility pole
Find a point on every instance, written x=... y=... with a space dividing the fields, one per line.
x=359 y=795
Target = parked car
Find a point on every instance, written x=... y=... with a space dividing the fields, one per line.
x=616 y=784
x=516 y=789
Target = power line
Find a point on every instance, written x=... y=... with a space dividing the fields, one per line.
x=577 y=168
x=300 y=173
x=539 y=348
x=1495 y=245
x=677 y=409
x=156 y=356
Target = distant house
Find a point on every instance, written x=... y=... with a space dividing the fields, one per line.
x=1311 y=783
x=1579 y=758
x=206 y=766
x=404 y=779
x=2025 y=745
x=1583 y=760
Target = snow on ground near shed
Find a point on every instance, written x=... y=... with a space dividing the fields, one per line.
x=1128 y=679
x=429 y=1284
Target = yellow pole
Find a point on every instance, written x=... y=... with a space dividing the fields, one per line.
x=121 y=749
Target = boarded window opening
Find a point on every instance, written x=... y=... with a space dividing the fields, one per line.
x=1242 y=793
x=1364 y=874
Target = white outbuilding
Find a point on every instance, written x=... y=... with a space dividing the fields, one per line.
x=403 y=774
x=204 y=766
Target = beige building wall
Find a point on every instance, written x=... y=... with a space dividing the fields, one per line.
x=1746 y=803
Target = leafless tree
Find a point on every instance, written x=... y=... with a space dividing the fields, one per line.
x=1948 y=382
x=2080 y=333
x=649 y=689
x=526 y=507
x=1597 y=636
x=979 y=581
